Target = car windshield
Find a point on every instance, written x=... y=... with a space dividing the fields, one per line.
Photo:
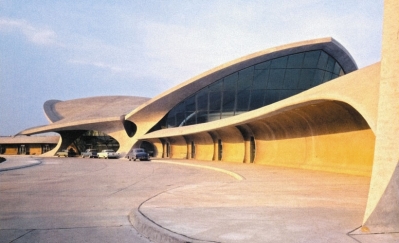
x=139 y=150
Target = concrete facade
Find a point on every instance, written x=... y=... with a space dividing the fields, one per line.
x=346 y=125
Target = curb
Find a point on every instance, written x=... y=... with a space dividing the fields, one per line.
x=155 y=232
x=230 y=173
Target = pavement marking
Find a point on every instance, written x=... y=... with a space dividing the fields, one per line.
x=230 y=173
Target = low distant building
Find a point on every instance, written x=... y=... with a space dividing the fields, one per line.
x=27 y=145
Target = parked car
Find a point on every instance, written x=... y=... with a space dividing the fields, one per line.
x=107 y=153
x=91 y=153
x=64 y=153
x=138 y=153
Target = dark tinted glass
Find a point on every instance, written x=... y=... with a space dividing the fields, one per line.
x=263 y=65
x=280 y=62
x=330 y=64
x=271 y=96
x=245 y=78
x=215 y=99
x=256 y=86
x=337 y=68
x=180 y=117
x=295 y=61
x=306 y=78
x=228 y=100
x=202 y=100
x=276 y=79
x=190 y=104
x=291 y=78
x=230 y=82
x=257 y=99
x=287 y=93
x=217 y=86
x=243 y=100
x=322 y=60
x=311 y=59
x=202 y=117
x=260 y=79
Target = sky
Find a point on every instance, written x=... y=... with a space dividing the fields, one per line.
x=69 y=49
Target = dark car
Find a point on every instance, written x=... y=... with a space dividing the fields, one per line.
x=138 y=153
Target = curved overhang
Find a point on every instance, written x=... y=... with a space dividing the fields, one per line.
x=91 y=108
x=67 y=126
x=82 y=114
x=50 y=112
x=161 y=104
x=348 y=89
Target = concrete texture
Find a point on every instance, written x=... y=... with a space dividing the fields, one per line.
x=91 y=200
x=382 y=212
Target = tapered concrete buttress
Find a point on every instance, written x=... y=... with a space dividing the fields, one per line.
x=382 y=211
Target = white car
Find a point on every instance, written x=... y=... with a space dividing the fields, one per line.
x=107 y=153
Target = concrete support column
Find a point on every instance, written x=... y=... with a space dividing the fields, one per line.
x=164 y=149
x=382 y=211
x=247 y=157
x=215 y=150
x=189 y=150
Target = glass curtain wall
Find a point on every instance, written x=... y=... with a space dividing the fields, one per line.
x=254 y=87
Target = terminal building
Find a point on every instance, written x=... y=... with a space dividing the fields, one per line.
x=303 y=105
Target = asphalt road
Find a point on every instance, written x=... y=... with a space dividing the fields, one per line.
x=82 y=200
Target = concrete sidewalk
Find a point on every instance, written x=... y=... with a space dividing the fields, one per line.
x=269 y=204
x=14 y=162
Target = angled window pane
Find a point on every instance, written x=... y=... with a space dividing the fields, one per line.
x=190 y=104
x=257 y=99
x=276 y=79
x=228 y=102
x=291 y=78
x=337 y=68
x=279 y=62
x=214 y=115
x=295 y=61
x=191 y=118
x=243 y=100
x=330 y=64
x=245 y=78
x=230 y=82
x=322 y=60
x=318 y=78
x=171 y=121
x=287 y=93
x=215 y=100
x=260 y=79
x=202 y=117
x=216 y=86
x=202 y=100
x=180 y=117
x=263 y=65
x=306 y=78
x=327 y=77
x=311 y=59
x=271 y=96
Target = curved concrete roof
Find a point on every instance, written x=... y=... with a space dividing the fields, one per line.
x=349 y=89
x=91 y=108
x=167 y=100
x=78 y=113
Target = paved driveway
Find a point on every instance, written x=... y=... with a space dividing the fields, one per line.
x=82 y=200
x=91 y=200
